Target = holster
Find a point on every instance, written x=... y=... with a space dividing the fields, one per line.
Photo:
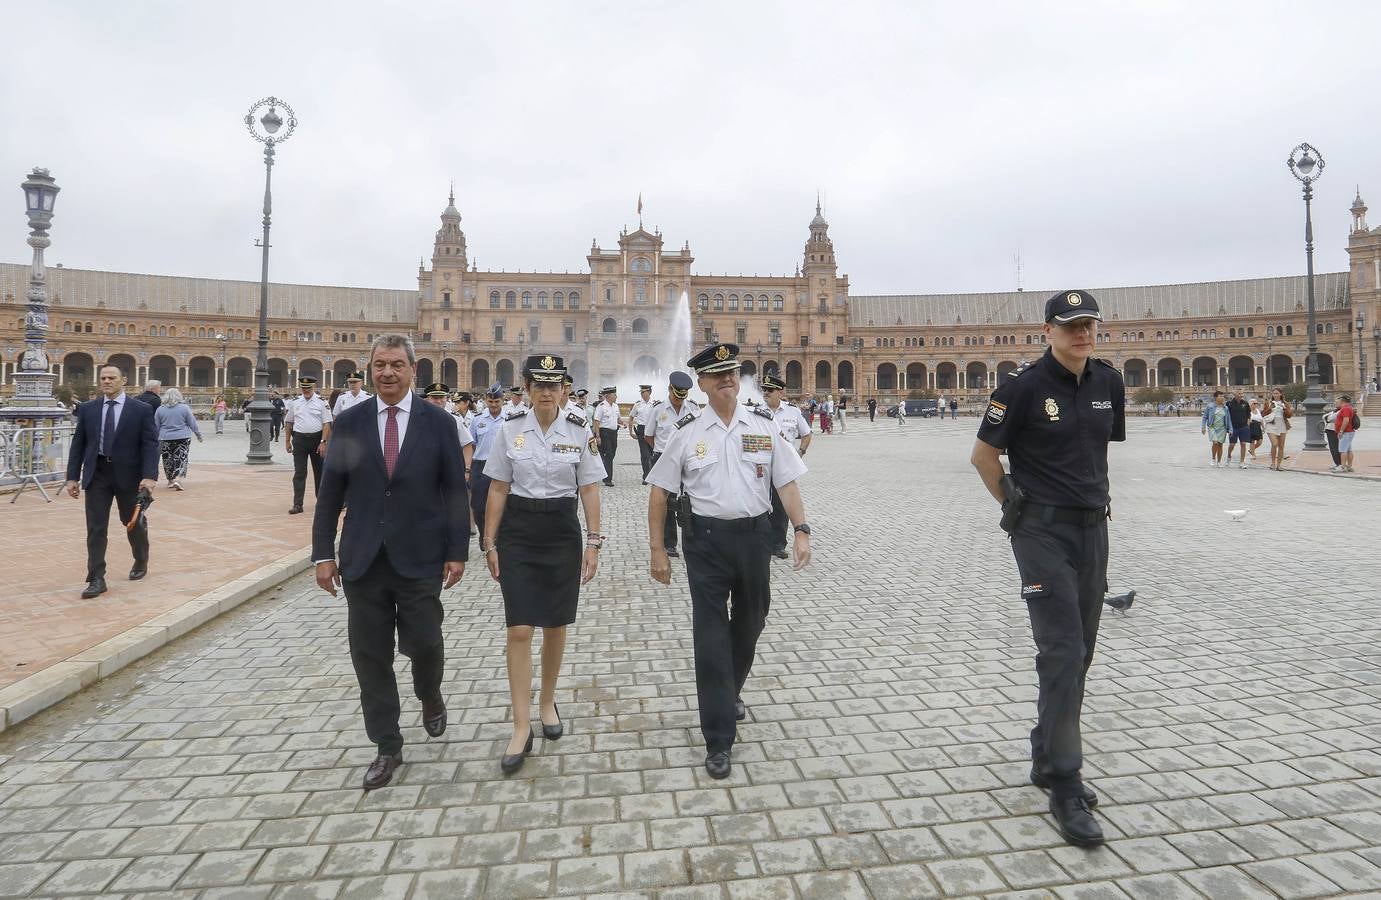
x=1015 y=499
x=683 y=512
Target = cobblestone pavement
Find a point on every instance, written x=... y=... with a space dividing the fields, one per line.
x=1233 y=727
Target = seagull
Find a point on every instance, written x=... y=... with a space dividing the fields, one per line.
x=1121 y=602
x=1236 y=515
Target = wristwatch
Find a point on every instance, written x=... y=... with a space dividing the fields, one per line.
x=803 y=528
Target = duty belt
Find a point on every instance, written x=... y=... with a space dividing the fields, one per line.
x=1065 y=515
x=554 y=504
x=710 y=523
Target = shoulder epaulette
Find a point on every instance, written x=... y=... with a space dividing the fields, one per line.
x=1099 y=359
x=576 y=418
x=516 y=414
x=685 y=420
x=656 y=403
x=763 y=411
x=1024 y=367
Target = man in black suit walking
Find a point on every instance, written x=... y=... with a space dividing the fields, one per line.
x=114 y=455
x=396 y=462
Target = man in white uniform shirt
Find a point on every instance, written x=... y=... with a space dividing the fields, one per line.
x=607 y=418
x=659 y=424
x=637 y=430
x=484 y=429
x=308 y=428
x=725 y=460
x=792 y=423
x=515 y=401
x=354 y=394
x=439 y=394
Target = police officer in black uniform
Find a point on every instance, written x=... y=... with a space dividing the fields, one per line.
x=1055 y=417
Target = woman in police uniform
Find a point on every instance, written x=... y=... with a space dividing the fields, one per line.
x=540 y=460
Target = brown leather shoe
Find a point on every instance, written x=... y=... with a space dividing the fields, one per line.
x=380 y=772
x=434 y=718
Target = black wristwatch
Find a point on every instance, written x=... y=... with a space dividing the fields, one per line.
x=803 y=528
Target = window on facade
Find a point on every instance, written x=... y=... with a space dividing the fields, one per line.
x=1251 y=332
x=709 y=334
x=445 y=324
x=527 y=299
x=718 y=302
x=575 y=299
x=1289 y=330
x=822 y=327
x=877 y=342
x=493 y=299
x=703 y=301
x=498 y=334
x=640 y=294
x=510 y=300
x=541 y=299
x=66 y=326
x=641 y=265
x=558 y=300
x=446 y=299
x=777 y=303
x=534 y=334
x=762 y=302
x=733 y=302
x=740 y=335
x=569 y=333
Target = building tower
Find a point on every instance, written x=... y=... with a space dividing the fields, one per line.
x=449 y=248
x=1359 y=213
x=818 y=264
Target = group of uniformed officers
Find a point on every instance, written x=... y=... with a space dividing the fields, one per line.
x=725 y=480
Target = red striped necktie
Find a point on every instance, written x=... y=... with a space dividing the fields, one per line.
x=391 y=440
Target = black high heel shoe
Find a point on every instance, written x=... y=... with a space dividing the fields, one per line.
x=511 y=763
x=553 y=732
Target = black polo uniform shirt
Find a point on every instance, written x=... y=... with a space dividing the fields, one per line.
x=1056 y=429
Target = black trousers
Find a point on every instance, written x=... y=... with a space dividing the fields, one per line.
x=1332 y=438
x=99 y=495
x=479 y=493
x=275 y=426
x=608 y=446
x=1063 y=579
x=644 y=451
x=380 y=602
x=669 y=529
x=872 y=413
x=727 y=565
x=778 y=520
x=304 y=449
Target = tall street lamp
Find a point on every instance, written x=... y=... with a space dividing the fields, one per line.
x=225 y=343
x=1306 y=164
x=265 y=129
x=1376 y=352
x=1361 y=356
x=34 y=381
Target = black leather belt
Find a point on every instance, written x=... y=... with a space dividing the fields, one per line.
x=710 y=522
x=555 y=504
x=1065 y=515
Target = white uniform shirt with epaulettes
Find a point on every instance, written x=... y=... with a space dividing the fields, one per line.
x=463 y=431
x=662 y=419
x=635 y=415
x=544 y=465
x=791 y=421
x=347 y=400
x=607 y=415
x=307 y=416
x=728 y=470
x=484 y=429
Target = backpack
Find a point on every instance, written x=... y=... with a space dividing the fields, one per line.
x=1356 y=420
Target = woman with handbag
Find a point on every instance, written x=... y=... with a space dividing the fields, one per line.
x=1275 y=422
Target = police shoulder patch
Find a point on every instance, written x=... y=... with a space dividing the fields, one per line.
x=576 y=418
x=515 y=415
x=685 y=420
x=763 y=411
x=996 y=412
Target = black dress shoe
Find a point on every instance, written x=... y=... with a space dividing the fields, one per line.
x=434 y=718
x=295 y=511
x=672 y=552
x=94 y=588
x=138 y=572
x=554 y=732
x=1043 y=783
x=1075 y=822
x=511 y=763
x=718 y=764
x=380 y=771
x=780 y=553
x=740 y=711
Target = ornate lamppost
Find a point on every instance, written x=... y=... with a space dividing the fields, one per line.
x=1361 y=357
x=33 y=378
x=1376 y=351
x=260 y=409
x=1306 y=164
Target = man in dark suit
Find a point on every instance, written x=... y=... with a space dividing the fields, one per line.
x=114 y=455
x=153 y=394
x=396 y=462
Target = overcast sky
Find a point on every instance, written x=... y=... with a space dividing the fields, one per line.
x=1108 y=143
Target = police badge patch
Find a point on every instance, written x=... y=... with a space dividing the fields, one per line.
x=1052 y=409
x=996 y=412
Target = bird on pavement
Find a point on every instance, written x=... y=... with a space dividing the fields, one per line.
x=1121 y=602
x=1236 y=515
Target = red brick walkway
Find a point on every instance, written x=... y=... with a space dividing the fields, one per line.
x=231 y=520
x=1365 y=462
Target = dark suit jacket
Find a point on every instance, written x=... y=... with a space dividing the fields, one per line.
x=421 y=514
x=134 y=452
x=151 y=399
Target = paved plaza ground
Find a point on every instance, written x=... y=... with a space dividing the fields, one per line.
x=1232 y=728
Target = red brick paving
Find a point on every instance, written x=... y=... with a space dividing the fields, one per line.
x=231 y=520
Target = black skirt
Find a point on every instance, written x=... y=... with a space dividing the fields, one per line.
x=539 y=563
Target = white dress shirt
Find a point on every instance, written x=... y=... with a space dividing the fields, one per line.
x=607 y=414
x=119 y=408
x=543 y=465
x=404 y=413
x=728 y=470
x=791 y=421
x=307 y=416
x=661 y=421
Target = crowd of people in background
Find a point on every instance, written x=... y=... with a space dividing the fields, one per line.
x=1241 y=424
